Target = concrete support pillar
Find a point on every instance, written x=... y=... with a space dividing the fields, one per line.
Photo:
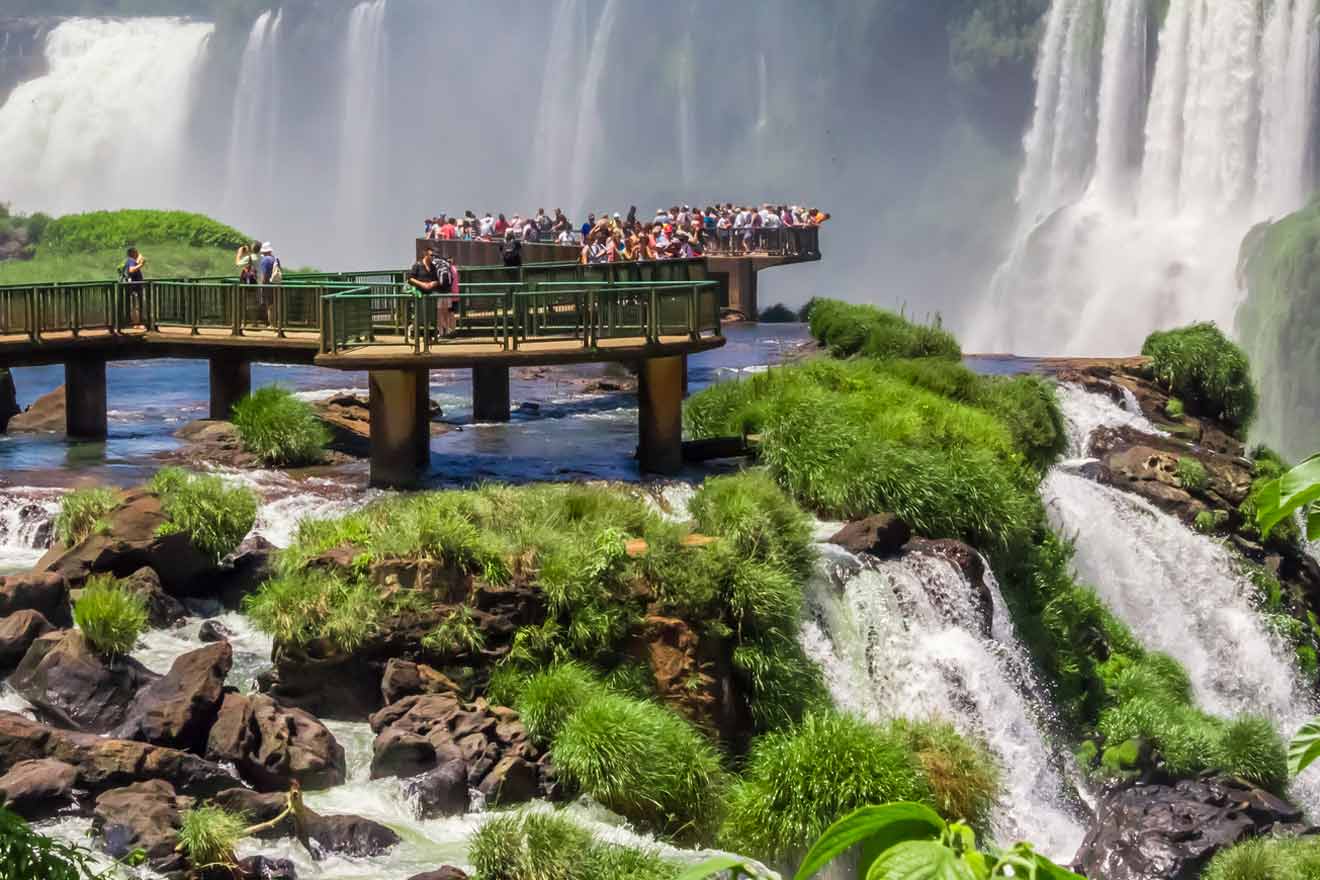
x=400 y=427
x=231 y=381
x=84 y=399
x=660 y=415
x=490 y=394
x=742 y=289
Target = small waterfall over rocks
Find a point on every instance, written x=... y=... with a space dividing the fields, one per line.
x=27 y=520
x=912 y=637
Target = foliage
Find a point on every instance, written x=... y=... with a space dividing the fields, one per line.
x=215 y=516
x=280 y=429
x=643 y=761
x=1267 y=858
x=1304 y=748
x=458 y=633
x=797 y=782
x=541 y=845
x=1192 y=475
x=848 y=329
x=208 y=835
x=1174 y=409
x=549 y=698
x=757 y=518
x=1277 y=500
x=101 y=230
x=111 y=618
x=82 y=513
x=163 y=261
x=27 y=853
x=777 y=314
x=964 y=777
x=299 y=607
x=1205 y=370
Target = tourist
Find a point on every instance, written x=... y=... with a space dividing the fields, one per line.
x=270 y=273
x=487 y=226
x=247 y=260
x=511 y=252
x=434 y=276
x=501 y=225
x=587 y=227
x=133 y=279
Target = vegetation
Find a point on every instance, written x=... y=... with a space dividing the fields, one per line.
x=542 y=845
x=28 y=853
x=1174 y=409
x=963 y=776
x=111 y=618
x=549 y=698
x=849 y=329
x=1192 y=475
x=1277 y=500
x=163 y=261
x=300 y=606
x=1267 y=858
x=280 y=429
x=100 y=230
x=458 y=633
x=1208 y=373
x=208 y=835
x=777 y=314
x=82 y=513
x=215 y=516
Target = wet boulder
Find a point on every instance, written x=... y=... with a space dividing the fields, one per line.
x=973 y=568
x=1171 y=831
x=273 y=745
x=144 y=815
x=39 y=788
x=45 y=415
x=37 y=591
x=8 y=399
x=17 y=633
x=265 y=868
x=213 y=631
x=447 y=872
x=179 y=709
x=442 y=791
x=404 y=678
x=71 y=685
x=163 y=610
x=349 y=835
x=880 y=535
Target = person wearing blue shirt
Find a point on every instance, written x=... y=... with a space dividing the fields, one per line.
x=588 y=226
x=265 y=274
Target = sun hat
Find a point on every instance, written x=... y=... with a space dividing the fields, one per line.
x=267 y=249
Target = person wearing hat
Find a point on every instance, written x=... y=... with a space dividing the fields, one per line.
x=268 y=273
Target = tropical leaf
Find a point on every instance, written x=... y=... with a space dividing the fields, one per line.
x=1305 y=747
x=718 y=864
x=878 y=827
x=1279 y=499
x=919 y=860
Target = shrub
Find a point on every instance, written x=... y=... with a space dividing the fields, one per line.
x=762 y=523
x=964 y=777
x=1027 y=405
x=536 y=845
x=1192 y=474
x=798 y=782
x=299 y=607
x=550 y=698
x=107 y=230
x=777 y=314
x=849 y=329
x=81 y=514
x=1267 y=858
x=208 y=835
x=279 y=429
x=643 y=761
x=1208 y=372
x=215 y=516
x=1249 y=747
x=1174 y=409
x=110 y=617
x=458 y=633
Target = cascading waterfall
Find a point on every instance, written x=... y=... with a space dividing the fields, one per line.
x=907 y=638
x=1180 y=592
x=105 y=126
x=253 y=135
x=1133 y=201
x=27 y=516
x=590 y=131
x=686 y=127
x=552 y=148
x=365 y=52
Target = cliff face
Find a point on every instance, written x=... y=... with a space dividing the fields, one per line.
x=22 y=41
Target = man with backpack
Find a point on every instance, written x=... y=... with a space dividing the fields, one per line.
x=511 y=251
x=434 y=275
x=269 y=273
x=130 y=275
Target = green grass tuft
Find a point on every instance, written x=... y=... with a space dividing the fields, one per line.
x=82 y=512
x=457 y=634
x=110 y=617
x=215 y=516
x=548 y=699
x=1250 y=748
x=1267 y=858
x=964 y=777
x=538 y=845
x=208 y=835
x=849 y=329
x=279 y=429
x=1206 y=371
x=752 y=512
x=1192 y=475
x=1174 y=409
x=299 y=607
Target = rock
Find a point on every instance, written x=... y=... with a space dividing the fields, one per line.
x=692 y=675
x=38 y=789
x=880 y=535
x=17 y=633
x=440 y=792
x=144 y=815
x=513 y=780
x=242 y=573
x=213 y=631
x=71 y=685
x=972 y=565
x=1170 y=832
x=44 y=416
x=163 y=610
x=179 y=709
x=44 y=592
x=104 y=763
x=8 y=399
x=129 y=543
x=448 y=872
x=266 y=868
x=350 y=835
x=259 y=807
x=273 y=745
x=404 y=678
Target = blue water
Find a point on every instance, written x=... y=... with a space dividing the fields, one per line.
x=557 y=431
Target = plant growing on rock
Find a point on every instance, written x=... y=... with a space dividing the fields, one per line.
x=208 y=835
x=1192 y=475
x=82 y=513
x=215 y=516
x=110 y=617
x=280 y=429
x=458 y=633
x=964 y=777
x=298 y=607
x=1205 y=370
x=548 y=699
x=1272 y=858
x=542 y=845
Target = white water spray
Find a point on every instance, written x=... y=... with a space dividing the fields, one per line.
x=366 y=51
x=27 y=516
x=253 y=134
x=590 y=132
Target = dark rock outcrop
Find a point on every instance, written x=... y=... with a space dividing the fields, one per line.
x=163 y=610
x=179 y=709
x=880 y=535
x=265 y=868
x=213 y=631
x=349 y=835
x=447 y=872
x=8 y=399
x=404 y=678
x=45 y=415
x=442 y=791
x=38 y=789
x=17 y=633
x=1170 y=832
x=144 y=815
x=104 y=763
x=72 y=686
x=44 y=592
x=273 y=745
x=693 y=674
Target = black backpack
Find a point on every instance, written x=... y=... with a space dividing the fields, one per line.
x=446 y=275
x=512 y=253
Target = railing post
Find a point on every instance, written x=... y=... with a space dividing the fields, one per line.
x=31 y=304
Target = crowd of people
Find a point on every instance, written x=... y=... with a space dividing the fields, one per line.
x=679 y=232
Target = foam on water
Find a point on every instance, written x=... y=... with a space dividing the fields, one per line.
x=159 y=648
x=1084 y=413
x=26 y=518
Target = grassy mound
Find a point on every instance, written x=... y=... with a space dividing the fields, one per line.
x=848 y=329
x=1267 y=859
x=1208 y=373
x=537 y=845
x=208 y=834
x=110 y=617
x=99 y=230
x=548 y=699
x=279 y=429
x=216 y=517
x=82 y=512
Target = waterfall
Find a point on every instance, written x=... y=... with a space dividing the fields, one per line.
x=1134 y=199
x=556 y=118
x=686 y=127
x=105 y=125
x=590 y=131
x=253 y=134
x=1181 y=593
x=904 y=638
x=27 y=516
x=362 y=115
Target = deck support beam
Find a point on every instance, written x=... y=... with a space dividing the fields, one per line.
x=660 y=415
x=742 y=289
x=400 y=427
x=84 y=399
x=231 y=381
x=490 y=394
